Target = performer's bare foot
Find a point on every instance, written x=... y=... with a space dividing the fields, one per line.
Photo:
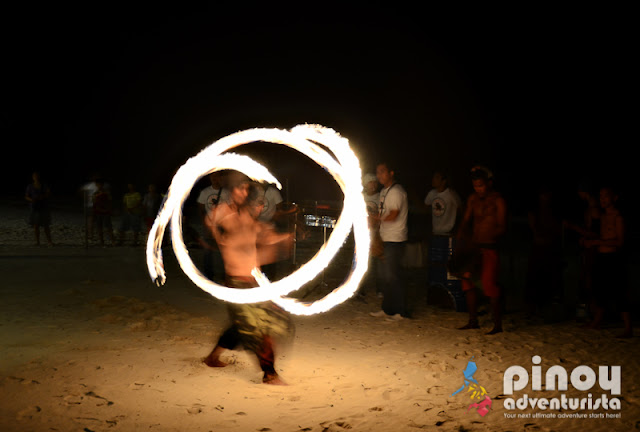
x=214 y=362
x=273 y=379
x=472 y=324
x=495 y=330
x=213 y=359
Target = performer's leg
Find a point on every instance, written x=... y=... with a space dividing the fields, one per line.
x=36 y=231
x=496 y=312
x=490 y=268
x=598 y=315
x=47 y=233
x=266 y=358
x=100 y=230
x=472 y=302
x=228 y=340
x=472 y=307
x=602 y=277
x=628 y=327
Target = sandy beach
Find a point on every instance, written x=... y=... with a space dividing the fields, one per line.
x=89 y=343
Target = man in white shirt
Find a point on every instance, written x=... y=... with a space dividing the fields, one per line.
x=446 y=208
x=268 y=198
x=392 y=216
x=213 y=194
x=445 y=203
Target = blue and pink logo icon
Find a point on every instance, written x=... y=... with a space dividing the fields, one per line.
x=478 y=392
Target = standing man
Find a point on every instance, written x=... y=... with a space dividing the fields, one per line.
x=392 y=217
x=444 y=203
x=268 y=199
x=102 y=209
x=131 y=214
x=37 y=194
x=609 y=265
x=445 y=211
x=485 y=215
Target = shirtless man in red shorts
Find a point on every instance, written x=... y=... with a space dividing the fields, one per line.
x=485 y=215
x=609 y=272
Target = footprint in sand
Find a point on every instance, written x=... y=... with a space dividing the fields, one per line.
x=28 y=413
x=100 y=401
x=434 y=390
x=438 y=364
x=388 y=394
x=335 y=426
x=78 y=399
x=72 y=399
x=195 y=409
x=464 y=355
x=493 y=357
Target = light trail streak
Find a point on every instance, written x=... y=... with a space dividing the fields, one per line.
x=345 y=169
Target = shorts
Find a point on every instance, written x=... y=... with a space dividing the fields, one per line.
x=102 y=221
x=131 y=222
x=488 y=273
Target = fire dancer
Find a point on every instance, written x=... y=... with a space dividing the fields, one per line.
x=246 y=243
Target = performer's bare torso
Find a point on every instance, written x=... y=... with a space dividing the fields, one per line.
x=487 y=214
x=236 y=232
x=245 y=243
x=609 y=230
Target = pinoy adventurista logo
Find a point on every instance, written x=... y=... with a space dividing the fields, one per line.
x=478 y=393
x=557 y=378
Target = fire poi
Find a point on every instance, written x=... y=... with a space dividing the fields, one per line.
x=343 y=165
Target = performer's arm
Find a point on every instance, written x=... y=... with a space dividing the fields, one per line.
x=501 y=222
x=466 y=219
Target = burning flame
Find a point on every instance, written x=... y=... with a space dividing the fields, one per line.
x=343 y=166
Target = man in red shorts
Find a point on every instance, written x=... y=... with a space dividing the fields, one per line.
x=485 y=216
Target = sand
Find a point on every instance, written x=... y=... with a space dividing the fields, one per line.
x=88 y=343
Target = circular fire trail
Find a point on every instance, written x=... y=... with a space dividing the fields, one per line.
x=343 y=165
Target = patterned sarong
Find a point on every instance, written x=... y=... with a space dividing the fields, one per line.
x=256 y=326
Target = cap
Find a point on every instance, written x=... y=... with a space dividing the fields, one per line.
x=369 y=178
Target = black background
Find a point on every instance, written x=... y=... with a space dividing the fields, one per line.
x=538 y=95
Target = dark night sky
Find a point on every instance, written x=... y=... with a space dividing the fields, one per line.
x=134 y=93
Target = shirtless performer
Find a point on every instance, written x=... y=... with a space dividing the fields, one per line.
x=609 y=269
x=485 y=215
x=245 y=243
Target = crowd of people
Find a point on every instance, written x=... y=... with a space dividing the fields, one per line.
x=471 y=232
x=238 y=233
x=136 y=210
